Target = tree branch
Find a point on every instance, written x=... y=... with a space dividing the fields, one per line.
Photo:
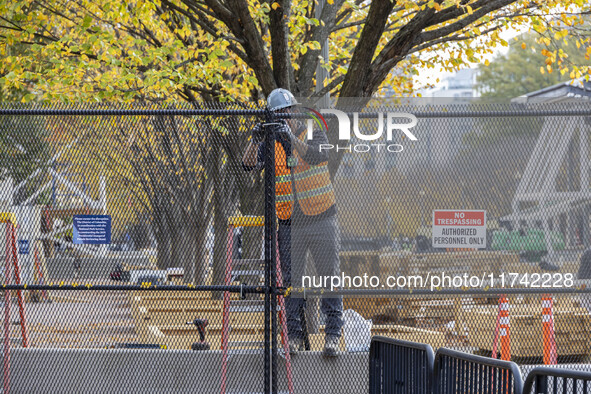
x=238 y=19
x=455 y=38
x=487 y=7
x=320 y=33
x=377 y=18
x=410 y=36
x=279 y=42
x=330 y=86
x=198 y=17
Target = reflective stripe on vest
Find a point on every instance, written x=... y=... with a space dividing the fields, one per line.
x=310 y=172
x=307 y=194
x=313 y=187
x=282 y=178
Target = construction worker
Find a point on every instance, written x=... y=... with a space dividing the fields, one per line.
x=306 y=212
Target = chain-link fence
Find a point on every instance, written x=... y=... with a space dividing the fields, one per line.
x=148 y=248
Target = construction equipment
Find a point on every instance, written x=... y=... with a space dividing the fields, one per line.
x=530 y=243
x=253 y=268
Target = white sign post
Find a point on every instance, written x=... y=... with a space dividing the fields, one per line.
x=459 y=229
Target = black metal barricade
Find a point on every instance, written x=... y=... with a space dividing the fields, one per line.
x=397 y=366
x=542 y=380
x=458 y=372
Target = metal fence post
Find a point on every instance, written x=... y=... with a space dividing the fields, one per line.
x=270 y=261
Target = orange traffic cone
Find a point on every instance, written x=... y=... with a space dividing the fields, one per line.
x=548 y=328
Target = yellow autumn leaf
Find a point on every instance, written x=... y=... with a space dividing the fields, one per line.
x=275 y=5
x=523 y=46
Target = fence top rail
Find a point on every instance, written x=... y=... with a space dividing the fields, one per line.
x=493 y=291
x=555 y=372
x=401 y=343
x=141 y=287
x=440 y=111
x=289 y=291
x=131 y=112
x=481 y=360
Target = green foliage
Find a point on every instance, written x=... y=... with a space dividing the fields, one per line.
x=527 y=68
x=166 y=50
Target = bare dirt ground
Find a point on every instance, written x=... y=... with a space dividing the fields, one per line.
x=83 y=319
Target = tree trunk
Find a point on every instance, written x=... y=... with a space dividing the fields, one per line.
x=199 y=238
x=163 y=246
x=220 y=220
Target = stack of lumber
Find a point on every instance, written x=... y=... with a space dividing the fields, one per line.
x=160 y=317
x=418 y=310
x=434 y=338
x=455 y=263
x=572 y=325
x=153 y=309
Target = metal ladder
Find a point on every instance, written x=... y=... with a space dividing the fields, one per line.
x=253 y=268
x=11 y=263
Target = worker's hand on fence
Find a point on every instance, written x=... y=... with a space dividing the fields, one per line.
x=284 y=132
x=258 y=133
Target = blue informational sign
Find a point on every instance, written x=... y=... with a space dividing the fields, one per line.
x=92 y=229
x=23 y=246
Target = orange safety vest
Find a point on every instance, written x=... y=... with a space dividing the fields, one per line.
x=313 y=188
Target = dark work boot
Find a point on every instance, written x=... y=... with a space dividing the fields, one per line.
x=331 y=346
x=296 y=345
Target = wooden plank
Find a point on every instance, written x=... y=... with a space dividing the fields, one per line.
x=434 y=338
x=571 y=330
x=171 y=295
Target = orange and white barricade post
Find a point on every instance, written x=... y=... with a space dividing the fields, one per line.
x=502 y=335
x=502 y=331
x=550 y=354
x=495 y=345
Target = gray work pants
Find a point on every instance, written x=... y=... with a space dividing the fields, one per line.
x=322 y=239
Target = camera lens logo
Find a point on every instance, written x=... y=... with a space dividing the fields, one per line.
x=391 y=120
x=316 y=118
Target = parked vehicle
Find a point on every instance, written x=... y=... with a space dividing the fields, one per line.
x=530 y=243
